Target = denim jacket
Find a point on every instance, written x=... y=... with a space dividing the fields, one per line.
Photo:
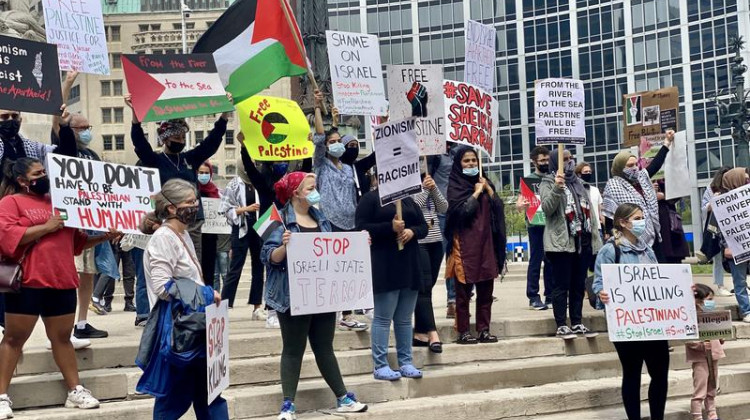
x=629 y=254
x=277 y=279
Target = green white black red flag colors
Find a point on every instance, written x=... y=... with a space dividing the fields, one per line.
x=253 y=44
x=268 y=222
x=166 y=87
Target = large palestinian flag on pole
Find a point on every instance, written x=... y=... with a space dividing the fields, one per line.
x=254 y=45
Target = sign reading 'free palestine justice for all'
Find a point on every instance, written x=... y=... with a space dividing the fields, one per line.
x=77 y=28
x=29 y=76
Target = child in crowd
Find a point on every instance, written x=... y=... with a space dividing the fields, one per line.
x=704 y=355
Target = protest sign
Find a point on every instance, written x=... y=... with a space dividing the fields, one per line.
x=560 y=110
x=415 y=90
x=274 y=129
x=732 y=212
x=95 y=195
x=530 y=191
x=471 y=115
x=77 y=28
x=217 y=349
x=356 y=73
x=134 y=240
x=676 y=185
x=647 y=151
x=650 y=302
x=165 y=87
x=650 y=113
x=479 y=69
x=329 y=272
x=29 y=76
x=397 y=160
x=715 y=325
x=215 y=221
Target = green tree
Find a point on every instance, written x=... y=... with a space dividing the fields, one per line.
x=515 y=221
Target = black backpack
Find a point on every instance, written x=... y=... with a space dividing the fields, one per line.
x=590 y=279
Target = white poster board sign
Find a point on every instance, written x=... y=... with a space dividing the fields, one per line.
x=479 y=69
x=217 y=348
x=77 y=28
x=215 y=221
x=96 y=195
x=650 y=302
x=715 y=325
x=415 y=90
x=560 y=111
x=732 y=212
x=356 y=73
x=676 y=183
x=471 y=116
x=329 y=272
x=397 y=160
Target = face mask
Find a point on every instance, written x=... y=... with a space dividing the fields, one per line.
x=709 y=305
x=175 y=147
x=9 y=129
x=204 y=178
x=543 y=168
x=39 y=186
x=630 y=173
x=569 y=167
x=350 y=155
x=587 y=177
x=336 y=150
x=187 y=215
x=471 y=171
x=279 y=169
x=313 y=197
x=639 y=226
x=85 y=136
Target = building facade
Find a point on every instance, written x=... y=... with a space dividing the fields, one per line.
x=614 y=47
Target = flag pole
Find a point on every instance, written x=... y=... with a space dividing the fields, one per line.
x=310 y=74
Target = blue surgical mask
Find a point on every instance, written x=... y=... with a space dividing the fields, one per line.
x=204 y=178
x=709 y=305
x=85 y=136
x=471 y=171
x=336 y=150
x=313 y=197
x=639 y=226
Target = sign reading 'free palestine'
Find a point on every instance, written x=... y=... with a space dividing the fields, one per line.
x=77 y=28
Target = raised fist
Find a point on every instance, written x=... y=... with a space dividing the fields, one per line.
x=417 y=96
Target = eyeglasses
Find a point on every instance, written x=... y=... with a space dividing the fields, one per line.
x=83 y=127
x=12 y=115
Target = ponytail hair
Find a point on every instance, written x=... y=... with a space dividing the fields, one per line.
x=12 y=170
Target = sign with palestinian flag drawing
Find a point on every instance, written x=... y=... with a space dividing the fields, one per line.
x=254 y=43
x=274 y=129
x=165 y=87
x=530 y=191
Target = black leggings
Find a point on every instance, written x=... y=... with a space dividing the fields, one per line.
x=632 y=355
x=431 y=255
x=295 y=330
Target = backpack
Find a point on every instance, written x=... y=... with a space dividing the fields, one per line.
x=590 y=279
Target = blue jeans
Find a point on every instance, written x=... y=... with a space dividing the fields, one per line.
x=450 y=284
x=397 y=306
x=718 y=270
x=220 y=269
x=141 y=292
x=536 y=256
x=190 y=389
x=739 y=277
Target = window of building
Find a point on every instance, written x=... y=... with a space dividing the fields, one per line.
x=116 y=63
x=142 y=28
x=229 y=137
x=118 y=112
x=117 y=88
x=119 y=142
x=231 y=170
x=199 y=136
x=114 y=33
x=106 y=88
x=75 y=94
x=156 y=27
x=107 y=115
x=188 y=25
x=107 y=142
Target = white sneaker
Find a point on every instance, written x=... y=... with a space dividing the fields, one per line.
x=722 y=291
x=370 y=314
x=5 y=407
x=81 y=398
x=746 y=319
x=259 y=315
x=78 y=343
x=272 y=321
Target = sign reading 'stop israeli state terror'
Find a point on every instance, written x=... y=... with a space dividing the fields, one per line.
x=397 y=159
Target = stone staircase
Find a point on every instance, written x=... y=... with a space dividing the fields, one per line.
x=529 y=374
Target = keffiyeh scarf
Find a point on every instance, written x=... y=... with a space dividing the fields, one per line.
x=619 y=191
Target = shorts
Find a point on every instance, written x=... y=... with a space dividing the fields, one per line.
x=41 y=302
x=86 y=262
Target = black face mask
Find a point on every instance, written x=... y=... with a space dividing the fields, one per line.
x=9 y=129
x=544 y=168
x=39 y=186
x=187 y=215
x=175 y=147
x=587 y=177
x=350 y=155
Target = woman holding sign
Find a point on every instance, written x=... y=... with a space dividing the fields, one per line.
x=731 y=180
x=628 y=247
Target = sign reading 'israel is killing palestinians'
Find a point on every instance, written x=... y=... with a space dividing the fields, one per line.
x=165 y=87
x=77 y=28
x=471 y=115
x=94 y=195
x=29 y=76
x=650 y=302
x=650 y=114
x=732 y=212
x=397 y=160
x=560 y=111
x=274 y=129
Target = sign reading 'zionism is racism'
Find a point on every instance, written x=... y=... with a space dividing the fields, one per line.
x=29 y=76
x=397 y=157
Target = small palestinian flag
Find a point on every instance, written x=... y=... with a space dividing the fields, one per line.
x=268 y=222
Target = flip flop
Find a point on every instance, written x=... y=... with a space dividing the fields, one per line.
x=436 y=347
x=386 y=374
x=409 y=371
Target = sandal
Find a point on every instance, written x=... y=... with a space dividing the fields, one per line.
x=415 y=342
x=409 y=371
x=466 y=338
x=386 y=374
x=486 y=337
x=436 y=347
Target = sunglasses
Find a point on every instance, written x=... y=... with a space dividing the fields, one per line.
x=13 y=115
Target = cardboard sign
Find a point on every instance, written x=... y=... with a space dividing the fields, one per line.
x=96 y=195
x=715 y=325
x=217 y=349
x=417 y=91
x=650 y=114
x=650 y=302
x=356 y=73
x=530 y=191
x=560 y=111
x=732 y=212
x=471 y=115
x=274 y=129
x=329 y=272
x=29 y=76
x=165 y=87
x=480 y=55
x=397 y=160
x=215 y=221
x=77 y=28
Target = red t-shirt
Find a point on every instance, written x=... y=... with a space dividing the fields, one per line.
x=50 y=263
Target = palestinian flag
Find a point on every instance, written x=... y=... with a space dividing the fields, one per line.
x=254 y=45
x=268 y=222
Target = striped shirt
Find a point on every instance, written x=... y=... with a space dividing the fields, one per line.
x=431 y=202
